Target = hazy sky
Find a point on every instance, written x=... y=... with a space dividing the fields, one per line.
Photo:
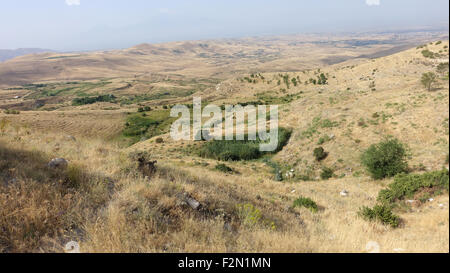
x=105 y=24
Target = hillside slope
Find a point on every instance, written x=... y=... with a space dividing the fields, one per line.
x=111 y=199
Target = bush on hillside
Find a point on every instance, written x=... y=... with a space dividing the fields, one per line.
x=224 y=168
x=235 y=150
x=320 y=154
x=407 y=185
x=385 y=159
x=380 y=213
x=306 y=203
x=326 y=173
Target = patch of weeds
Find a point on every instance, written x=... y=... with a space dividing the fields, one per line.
x=323 y=139
x=306 y=202
x=11 y=112
x=326 y=173
x=139 y=127
x=224 y=168
x=380 y=213
x=251 y=217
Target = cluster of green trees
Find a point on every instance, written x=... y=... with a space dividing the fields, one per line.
x=321 y=80
x=92 y=100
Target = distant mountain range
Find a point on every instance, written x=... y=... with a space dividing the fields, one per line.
x=6 y=54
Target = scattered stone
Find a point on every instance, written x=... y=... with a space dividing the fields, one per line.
x=185 y=199
x=72 y=247
x=441 y=205
x=344 y=193
x=194 y=204
x=58 y=163
x=410 y=201
x=430 y=200
x=332 y=136
x=293 y=191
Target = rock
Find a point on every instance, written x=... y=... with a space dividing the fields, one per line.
x=332 y=136
x=410 y=201
x=441 y=205
x=430 y=200
x=185 y=199
x=58 y=163
x=194 y=204
x=72 y=247
x=344 y=193
x=293 y=191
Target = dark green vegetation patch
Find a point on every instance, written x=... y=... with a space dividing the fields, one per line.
x=235 y=150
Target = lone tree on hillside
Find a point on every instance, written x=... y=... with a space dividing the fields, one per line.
x=442 y=68
x=428 y=79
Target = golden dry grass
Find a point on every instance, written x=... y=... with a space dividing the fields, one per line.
x=141 y=215
x=105 y=203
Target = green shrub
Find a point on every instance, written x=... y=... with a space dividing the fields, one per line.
x=306 y=203
x=385 y=159
x=320 y=154
x=428 y=79
x=380 y=213
x=407 y=185
x=326 y=173
x=323 y=139
x=224 y=168
x=159 y=140
x=235 y=150
x=428 y=54
x=230 y=150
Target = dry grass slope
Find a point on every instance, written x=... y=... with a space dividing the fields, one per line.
x=104 y=202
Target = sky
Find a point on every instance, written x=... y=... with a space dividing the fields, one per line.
x=68 y=25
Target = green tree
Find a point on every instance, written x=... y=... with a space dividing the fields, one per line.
x=442 y=68
x=385 y=159
x=428 y=79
